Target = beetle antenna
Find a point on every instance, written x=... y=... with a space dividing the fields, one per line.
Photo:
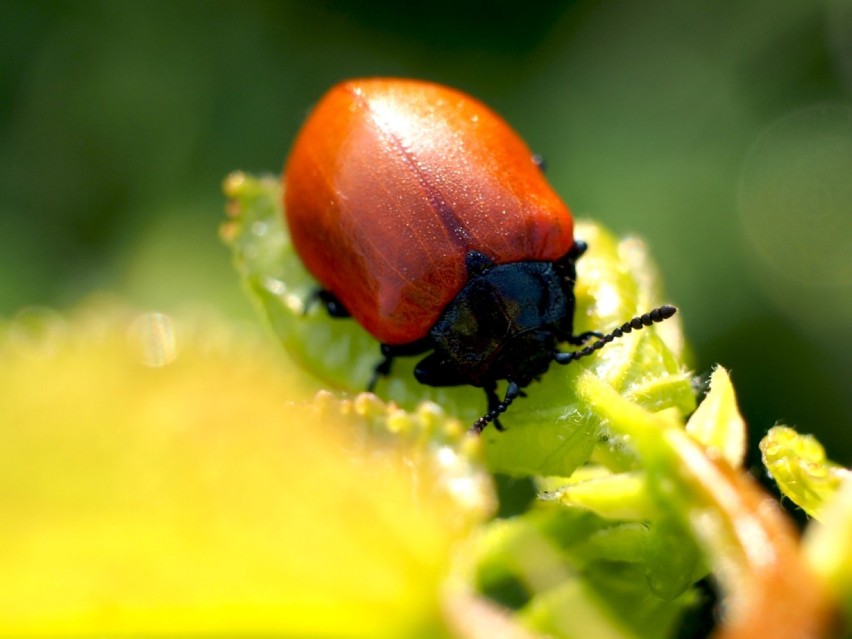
x=512 y=393
x=640 y=321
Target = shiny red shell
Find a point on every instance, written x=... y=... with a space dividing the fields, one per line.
x=391 y=182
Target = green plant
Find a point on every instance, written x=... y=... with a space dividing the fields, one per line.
x=639 y=495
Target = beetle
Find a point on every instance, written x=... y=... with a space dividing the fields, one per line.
x=425 y=217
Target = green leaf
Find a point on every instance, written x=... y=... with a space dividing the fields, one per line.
x=717 y=422
x=571 y=574
x=744 y=538
x=799 y=466
x=621 y=496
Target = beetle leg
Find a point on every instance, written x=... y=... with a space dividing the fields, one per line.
x=382 y=369
x=577 y=250
x=333 y=306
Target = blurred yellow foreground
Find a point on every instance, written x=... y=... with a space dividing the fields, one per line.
x=159 y=478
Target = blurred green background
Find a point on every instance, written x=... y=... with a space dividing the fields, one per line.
x=719 y=131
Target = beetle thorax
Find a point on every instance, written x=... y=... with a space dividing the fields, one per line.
x=505 y=324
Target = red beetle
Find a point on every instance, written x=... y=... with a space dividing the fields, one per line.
x=425 y=217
